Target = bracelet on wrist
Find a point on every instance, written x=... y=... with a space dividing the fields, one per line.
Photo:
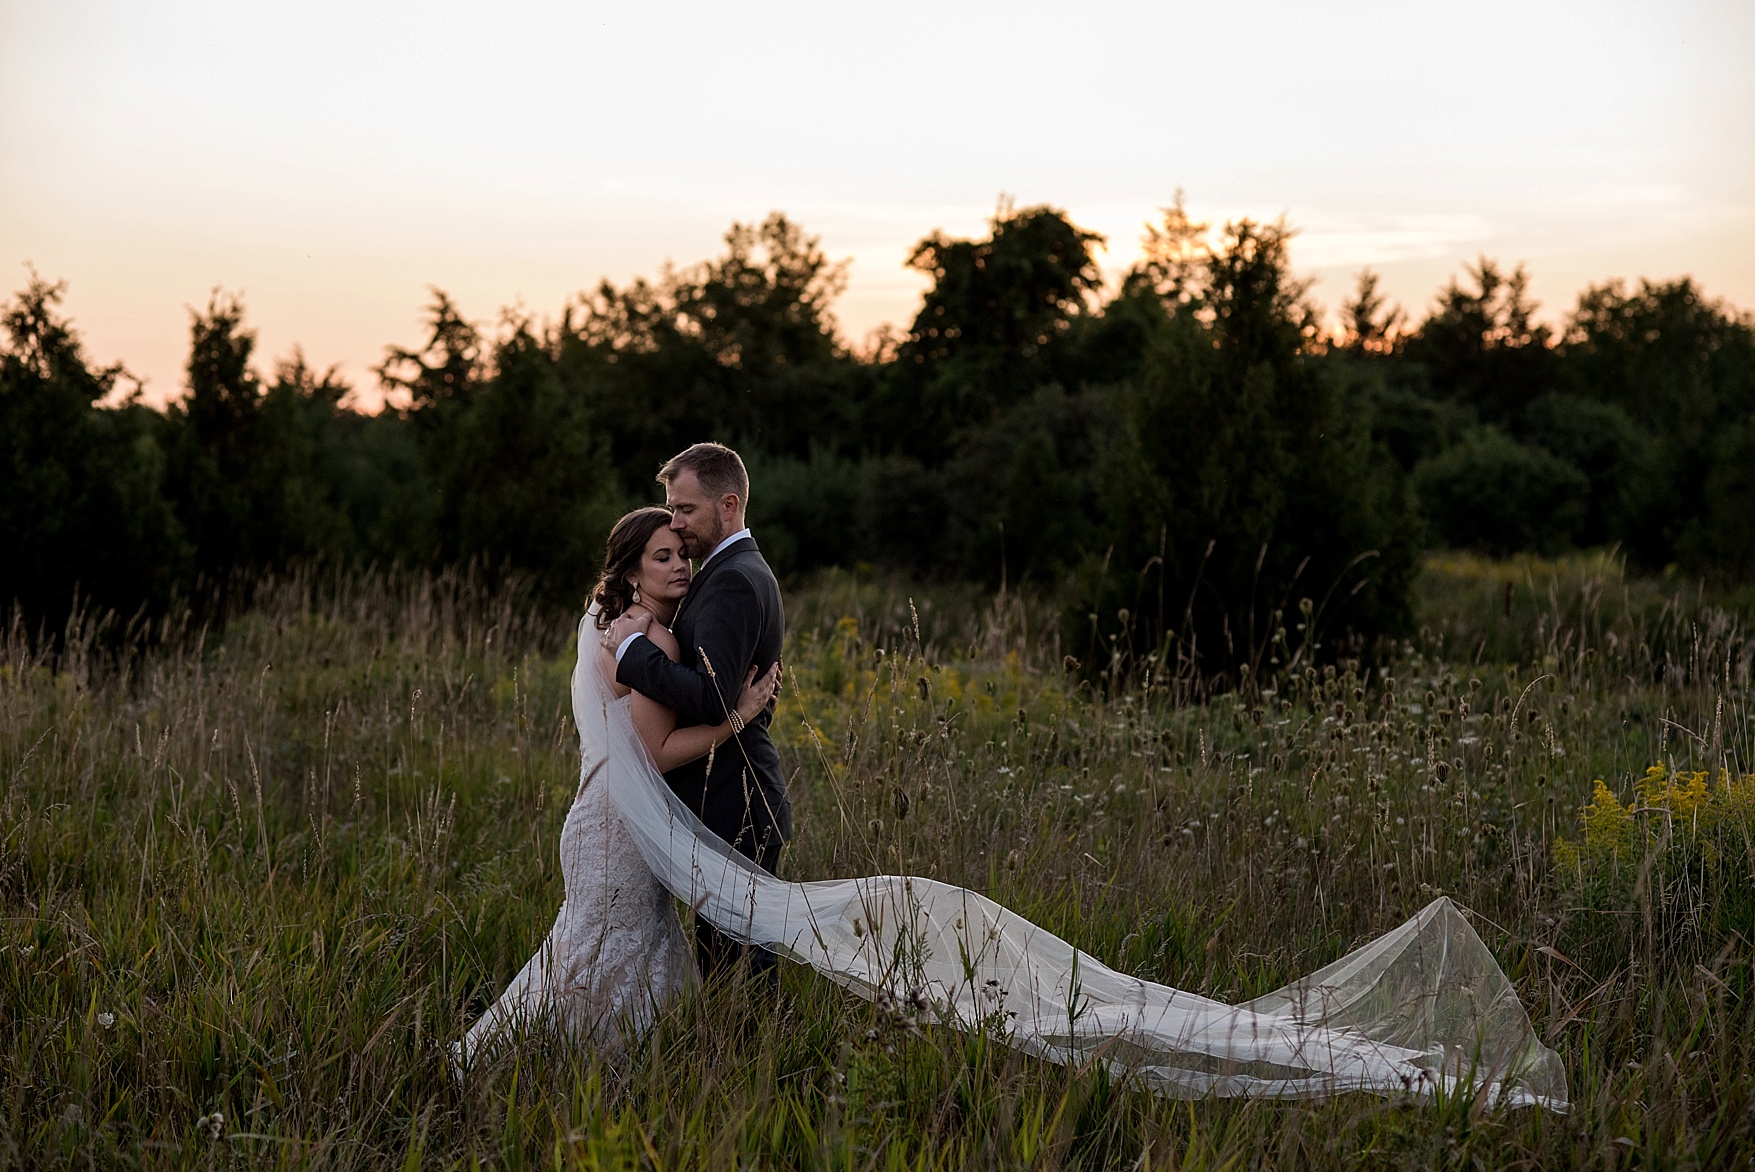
x=737 y=721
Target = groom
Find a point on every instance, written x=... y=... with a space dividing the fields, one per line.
x=729 y=621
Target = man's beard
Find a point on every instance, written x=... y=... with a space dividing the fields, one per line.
x=702 y=544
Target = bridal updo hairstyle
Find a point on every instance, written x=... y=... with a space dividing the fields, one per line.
x=613 y=593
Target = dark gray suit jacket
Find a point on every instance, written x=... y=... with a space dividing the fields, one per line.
x=732 y=615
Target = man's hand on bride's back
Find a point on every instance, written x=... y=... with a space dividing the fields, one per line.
x=757 y=693
x=633 y=622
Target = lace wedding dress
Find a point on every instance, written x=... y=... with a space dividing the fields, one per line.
x=1423 y=1009
x=616 y=952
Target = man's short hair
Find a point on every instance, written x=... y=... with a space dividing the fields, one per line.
x=719 y=469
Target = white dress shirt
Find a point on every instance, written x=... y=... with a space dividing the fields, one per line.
x=738 y=536
x=735 y=537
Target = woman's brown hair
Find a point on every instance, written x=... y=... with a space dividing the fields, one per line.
x=613 y=594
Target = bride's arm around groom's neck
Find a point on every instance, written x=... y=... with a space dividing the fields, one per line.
x=724 y=645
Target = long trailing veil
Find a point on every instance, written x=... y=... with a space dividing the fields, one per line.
x=1423 y=1009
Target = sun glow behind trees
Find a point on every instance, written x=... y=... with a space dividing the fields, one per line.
x=333 y=161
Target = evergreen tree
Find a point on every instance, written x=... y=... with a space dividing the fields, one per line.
x=1482 y=347
x=1191 y=453
x=82 y=512
x=1246 y=480
x=216 y=446
x=520 y=475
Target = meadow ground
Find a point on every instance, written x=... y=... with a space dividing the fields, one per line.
x=253 y=883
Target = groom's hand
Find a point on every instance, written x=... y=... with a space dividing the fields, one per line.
x=625 y=625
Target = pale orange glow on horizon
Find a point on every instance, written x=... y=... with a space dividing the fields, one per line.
x=331 y=162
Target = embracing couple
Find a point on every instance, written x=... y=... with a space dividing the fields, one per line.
x=681 y=798
x=695 y=657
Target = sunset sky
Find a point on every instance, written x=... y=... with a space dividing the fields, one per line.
x=331 y=161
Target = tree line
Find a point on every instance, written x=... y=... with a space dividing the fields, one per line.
x=1189 y=460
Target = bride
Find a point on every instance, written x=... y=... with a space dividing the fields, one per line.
x=1422 y=1010
x=616 y=952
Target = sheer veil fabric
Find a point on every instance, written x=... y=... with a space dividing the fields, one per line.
x=1423 y=1009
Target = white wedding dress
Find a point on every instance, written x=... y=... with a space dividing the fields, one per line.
x=616 y=953
x=1423 y=1009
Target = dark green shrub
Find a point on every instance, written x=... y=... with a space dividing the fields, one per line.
x=1024 y=498
x=1725 y=535
x=805 y=513
x=1600 y=441
x=903 y=513
x=1490 y=492
x=1682 y=366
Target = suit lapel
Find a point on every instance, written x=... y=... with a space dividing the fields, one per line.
x=700 y=582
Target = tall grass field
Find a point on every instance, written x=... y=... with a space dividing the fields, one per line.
x=255 y=878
